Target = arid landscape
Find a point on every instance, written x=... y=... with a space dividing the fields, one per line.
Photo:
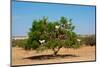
x=22 y=57
x=55 y=35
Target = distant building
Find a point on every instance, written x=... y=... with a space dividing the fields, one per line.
x=19 y=37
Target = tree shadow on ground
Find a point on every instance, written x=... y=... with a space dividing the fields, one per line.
x=44 y=57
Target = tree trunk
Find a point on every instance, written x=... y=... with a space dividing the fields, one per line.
x=56 y=51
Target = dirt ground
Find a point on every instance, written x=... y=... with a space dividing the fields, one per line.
x=22 y=57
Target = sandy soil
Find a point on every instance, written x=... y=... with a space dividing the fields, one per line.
x=22 y=57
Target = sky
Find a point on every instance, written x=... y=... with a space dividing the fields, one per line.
x=24 y=13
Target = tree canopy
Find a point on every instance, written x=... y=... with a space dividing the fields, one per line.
x=52 y=35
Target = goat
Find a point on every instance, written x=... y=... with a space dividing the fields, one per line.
x=42 y=41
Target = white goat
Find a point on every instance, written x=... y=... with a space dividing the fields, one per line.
x=42 y=41
x=78 y=40
x=57 y=27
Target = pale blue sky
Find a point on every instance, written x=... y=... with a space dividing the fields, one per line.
x=23 y=13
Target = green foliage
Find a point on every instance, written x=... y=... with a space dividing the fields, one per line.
x=35 y=45
x=56 y=35
x=54 y=43
x=19 y=43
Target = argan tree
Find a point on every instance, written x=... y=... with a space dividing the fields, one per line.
x=51 y=35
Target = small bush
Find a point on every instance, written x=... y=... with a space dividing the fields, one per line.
x=19 y=43
x=89 y=40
